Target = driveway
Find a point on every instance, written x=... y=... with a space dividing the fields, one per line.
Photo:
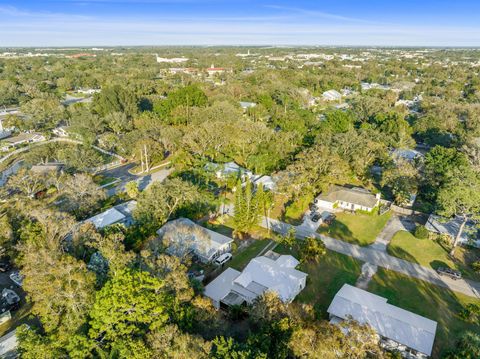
x=125 y=176
x=380 y=258
x=394 y=224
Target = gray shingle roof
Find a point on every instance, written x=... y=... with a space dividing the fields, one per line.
x=355 y=195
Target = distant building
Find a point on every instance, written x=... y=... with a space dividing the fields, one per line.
x=184 y=237
x=408 y=155
x=268 y=182
x=173 y=60
x=212 y=70
x=61 y=131
x=228 y=169
x=331 y=95
x=272 y=272
x=120 y=214
x=351 y=199
x=409 y=333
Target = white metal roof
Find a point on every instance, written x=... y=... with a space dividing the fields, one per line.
x=276 y=275
x=8 y=345
x=222 y=285
x=392 y=322
x=107 y=218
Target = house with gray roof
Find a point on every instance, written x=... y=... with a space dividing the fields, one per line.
x=409 y=333
x=184 y=237
x=451 y=226
x=350 y=199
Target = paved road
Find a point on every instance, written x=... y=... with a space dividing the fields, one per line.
x=125 y=176
x=381 y=258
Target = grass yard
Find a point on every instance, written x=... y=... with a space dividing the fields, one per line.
x=325 y=278
x=290 y=212
x=428 y=300
x=430 y=253
x=243 y=256
x=359 y=228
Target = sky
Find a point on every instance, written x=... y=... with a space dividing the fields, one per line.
x=48 y=23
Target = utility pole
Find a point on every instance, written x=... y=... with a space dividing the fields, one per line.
x=146 y=159
x=141 y=159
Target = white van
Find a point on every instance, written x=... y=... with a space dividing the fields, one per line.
x=224 y=258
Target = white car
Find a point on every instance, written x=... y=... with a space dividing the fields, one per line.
x=16 y=278
x=224 y=258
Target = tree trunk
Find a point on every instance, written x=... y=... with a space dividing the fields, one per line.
x=459 y=234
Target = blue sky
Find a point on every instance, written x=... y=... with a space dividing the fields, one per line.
x=239 y=22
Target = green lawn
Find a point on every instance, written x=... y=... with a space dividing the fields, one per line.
x=325 y=278
x=242 y=257
x=290 y=211
x=359 y=228
x=428 y=253
x=436 y=303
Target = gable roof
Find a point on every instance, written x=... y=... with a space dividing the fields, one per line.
x=185 y=235
x=451 y=227
x=354 y=195
x=113 y=215
x=8 y=345
x=280 y=276
x=392 y=322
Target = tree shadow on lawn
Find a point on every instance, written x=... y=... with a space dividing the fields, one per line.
x=339 y=230
x=435 y=264
x=401 y=253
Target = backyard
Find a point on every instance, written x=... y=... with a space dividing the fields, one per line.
x=430 y=253
x=325 y=278
x=290 y=211
x=358 y=228
x=428 y=300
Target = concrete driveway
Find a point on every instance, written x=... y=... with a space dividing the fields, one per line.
x=394 y=224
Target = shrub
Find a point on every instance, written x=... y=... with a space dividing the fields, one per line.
x=476 y=266
x=421 y=232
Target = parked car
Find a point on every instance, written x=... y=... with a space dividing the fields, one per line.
x=315 y=217
x=16 y=278
x=224 y=258
x=9 y=301
x=5 y=266
x=327 y=217
x=312 y=207
x=454 y=274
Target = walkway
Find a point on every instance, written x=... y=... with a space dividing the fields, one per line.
x=380 y=258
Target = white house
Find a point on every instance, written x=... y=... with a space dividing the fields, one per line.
x=61 y=131
x=351 y=199
x=268 y=182
x=20 y=139
x=399 y=329
x=450 y=227
x=8 y=346
x=331 y=95
x=228 y=169
x=120 y=214
x=183 y=237
x=408 y=155
x=271 y=272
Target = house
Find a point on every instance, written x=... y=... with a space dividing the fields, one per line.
x=351 y=199
x=268 y=182
x=183 y=237
x=331 y=95
x=228 y=169
x=61 y=131
x=120 y=214
x=407 y=332
x=173 y=60
x=8 y=346
x=450 y=227
x=406 y=154
x=22 y=138
x=271 y=272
